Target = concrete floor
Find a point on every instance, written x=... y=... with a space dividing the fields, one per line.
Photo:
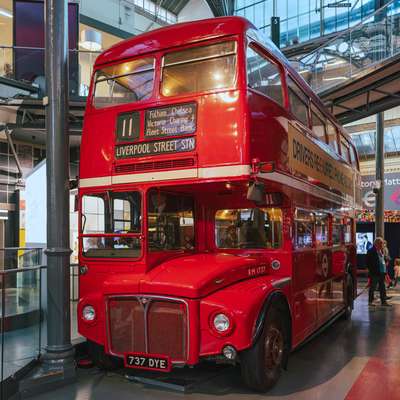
x=355 y=360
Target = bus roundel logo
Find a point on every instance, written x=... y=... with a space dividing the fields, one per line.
x=275 y=264
x=325 y=266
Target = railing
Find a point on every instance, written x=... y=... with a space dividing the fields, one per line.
x=349 y=54
x=23 y=304
x=26 y=64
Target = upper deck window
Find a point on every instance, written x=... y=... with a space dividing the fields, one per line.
x=332 y=136
x=253 y=228
x=199 y=69
x=264 y=76
x=126 y=82
x=298 y=101
x=318 y=124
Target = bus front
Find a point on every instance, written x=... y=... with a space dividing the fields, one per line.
x=163 y=277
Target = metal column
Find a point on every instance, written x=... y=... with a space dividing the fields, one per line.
x=57 y=365
x=380 y=176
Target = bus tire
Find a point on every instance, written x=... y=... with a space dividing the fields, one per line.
x=262 y=364
x=349 y=298
x=102 y=360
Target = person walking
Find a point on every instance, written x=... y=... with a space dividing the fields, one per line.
x=377 y=270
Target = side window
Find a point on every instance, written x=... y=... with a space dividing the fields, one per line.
x=93 y=214
x=353 y=157
x=321 y=228
x=345 y=149
x=298 y=102
x=348 y=231
x=304 y=229
x=264 y=76
x=337 y=230
x=332 y=136
x=318 y=124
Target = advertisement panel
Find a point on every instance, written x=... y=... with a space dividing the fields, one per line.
x=392 y=191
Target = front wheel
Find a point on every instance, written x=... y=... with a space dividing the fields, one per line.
x=262 y=364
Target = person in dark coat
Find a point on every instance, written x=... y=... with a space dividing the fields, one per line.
x=377 y=270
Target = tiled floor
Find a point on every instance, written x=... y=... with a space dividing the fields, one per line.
x=356 y=360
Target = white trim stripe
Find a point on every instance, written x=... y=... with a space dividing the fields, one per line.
x=228 y=171
x=99 y=181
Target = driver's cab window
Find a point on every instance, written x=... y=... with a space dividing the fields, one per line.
x=170 y=221
x=257 y=228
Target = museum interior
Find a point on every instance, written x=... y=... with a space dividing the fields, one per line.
x=199 y=198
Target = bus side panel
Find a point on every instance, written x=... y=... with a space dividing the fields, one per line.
x=268 y=130
x=304 y=294
x=97 y=144
x=221 y=133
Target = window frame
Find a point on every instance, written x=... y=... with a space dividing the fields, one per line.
x=116 y=63
x=295 y=234
x=281 y=233
x=210 y=42
x=138 y=235
x=344 y=143
x=301 y=96
x=146 y=229
x=263 y=54
x=314 y=111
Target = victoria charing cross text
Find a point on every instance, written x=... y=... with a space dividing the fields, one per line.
x=155 y=147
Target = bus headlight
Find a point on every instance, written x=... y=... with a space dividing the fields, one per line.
x=221 y=323
x=88 y=313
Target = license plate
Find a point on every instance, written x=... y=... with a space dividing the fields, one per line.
x=151 y=362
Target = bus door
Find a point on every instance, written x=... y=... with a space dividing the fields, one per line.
x=304 y=291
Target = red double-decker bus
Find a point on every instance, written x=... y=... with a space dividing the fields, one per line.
x=217 y=201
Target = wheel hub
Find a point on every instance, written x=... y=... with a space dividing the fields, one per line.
x=273 y=348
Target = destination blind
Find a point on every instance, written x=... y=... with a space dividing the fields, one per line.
x=155 y=147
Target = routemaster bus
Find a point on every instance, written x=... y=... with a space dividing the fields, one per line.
x=216 y=200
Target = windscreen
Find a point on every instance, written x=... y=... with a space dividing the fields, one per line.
x=126 y=82
x=199 y=69
x=111 y=224
x=170 y=222
x=248 y=228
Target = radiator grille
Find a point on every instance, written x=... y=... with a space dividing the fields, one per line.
x=154 y=326
x=155 y=165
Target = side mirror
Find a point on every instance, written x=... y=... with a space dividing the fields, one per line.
x=256 y=192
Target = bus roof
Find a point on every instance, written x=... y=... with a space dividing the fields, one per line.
x=197 y=31
x=173 y=36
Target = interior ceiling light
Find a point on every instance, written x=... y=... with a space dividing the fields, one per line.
x=91 y=40
x=5 y=13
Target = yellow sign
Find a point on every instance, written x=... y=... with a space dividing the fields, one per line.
x=307 y=158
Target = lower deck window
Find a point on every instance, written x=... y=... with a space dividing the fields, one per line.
x=257 y=228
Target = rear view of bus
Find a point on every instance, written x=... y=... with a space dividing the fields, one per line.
x=188 y=211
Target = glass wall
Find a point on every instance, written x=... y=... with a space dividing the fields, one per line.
x=302 y=20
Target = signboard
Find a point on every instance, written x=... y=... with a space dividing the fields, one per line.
x=176 y=120
x=128 y=127
x=309 y=159
x=144 y=149
x=392 y=191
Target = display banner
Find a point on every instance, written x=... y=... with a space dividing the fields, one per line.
x=309 y=159
x=171 y=121
x=392 y=191
x=155 y=147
